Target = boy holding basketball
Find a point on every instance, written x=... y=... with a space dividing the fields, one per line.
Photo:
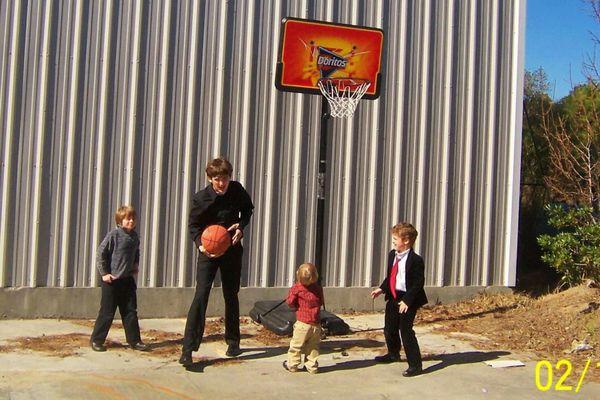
x=117 y=261
x=223 y=202
x=306 y=296
x=404 y=293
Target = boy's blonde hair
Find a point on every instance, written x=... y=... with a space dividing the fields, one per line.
x=124 y=211
x=307 y=274
x=405 y=230
x=219 y=167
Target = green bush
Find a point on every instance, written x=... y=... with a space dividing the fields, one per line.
x=575 y=250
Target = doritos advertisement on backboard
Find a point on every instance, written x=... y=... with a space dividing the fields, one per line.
x=310 y=50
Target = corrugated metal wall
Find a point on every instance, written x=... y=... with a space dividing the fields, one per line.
x=110 y=102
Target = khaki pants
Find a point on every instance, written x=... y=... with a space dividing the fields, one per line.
x=306 y=340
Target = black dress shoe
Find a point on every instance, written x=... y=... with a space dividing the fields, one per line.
x=186 y=359
x=412 y=371
x=387 y=358
x=139 y=346
x=98 y=346
x=233 y=350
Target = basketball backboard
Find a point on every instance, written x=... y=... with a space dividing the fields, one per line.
x=311 y=50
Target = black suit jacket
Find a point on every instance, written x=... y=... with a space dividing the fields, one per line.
x=415 y=279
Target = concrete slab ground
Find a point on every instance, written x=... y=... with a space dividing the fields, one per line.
x=453 y=368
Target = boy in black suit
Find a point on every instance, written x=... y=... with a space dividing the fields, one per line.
x=404 y=293
x=223 y=202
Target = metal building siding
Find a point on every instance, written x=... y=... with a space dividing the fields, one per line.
x=104 y=103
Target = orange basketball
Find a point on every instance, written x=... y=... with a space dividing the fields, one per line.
x=215 y=239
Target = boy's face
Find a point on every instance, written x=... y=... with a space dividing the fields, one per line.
x=128 y=223
x=220 y=184
x=401 y=243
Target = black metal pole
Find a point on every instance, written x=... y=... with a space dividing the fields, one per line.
x=321 y=186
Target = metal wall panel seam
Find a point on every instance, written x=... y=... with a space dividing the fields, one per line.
x=99 y=200
x=56 y=152
x=398 y=136
x=369 y=246
x=70 y=132
x=420 y=194
x=514 y=160
x=40 y=100
x=269 y=182
x=491 y=143
x=90 y=87
x=119 y=108
x=347 y=191
x=480 y=183
x=147 y=165
x=11 y=98
x=186 y=22
x=468 y=144
x=27 y=142
x=130 y=133
x=284 y=154
x=217 y=114
x=446 y=132
x=157 y=208
x=240 y=86
x=5 y=26
x=187 y=158
x=246 y=92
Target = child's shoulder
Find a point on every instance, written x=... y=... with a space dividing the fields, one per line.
x=113 y=232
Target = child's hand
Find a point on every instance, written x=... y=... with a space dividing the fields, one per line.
x=375 y=293
x=108 y=278
x=237 y=236
x=402 y=307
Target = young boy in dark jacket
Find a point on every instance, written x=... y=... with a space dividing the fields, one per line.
x=117 y=261
x=404 y=293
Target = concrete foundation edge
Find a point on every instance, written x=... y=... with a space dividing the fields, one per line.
x=174 y=302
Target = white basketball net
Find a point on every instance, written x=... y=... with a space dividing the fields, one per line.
x=343 y=94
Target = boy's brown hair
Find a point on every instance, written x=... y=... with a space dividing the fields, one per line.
x=219 y=167
x=405 y=230
x=124 y=211
x=307 y=274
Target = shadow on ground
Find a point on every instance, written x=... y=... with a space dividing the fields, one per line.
x=447 y=360
x=467 y=357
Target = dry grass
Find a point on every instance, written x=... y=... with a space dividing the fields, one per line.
x=547 y=327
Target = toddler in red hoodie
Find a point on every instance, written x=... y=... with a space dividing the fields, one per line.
x=306 y=296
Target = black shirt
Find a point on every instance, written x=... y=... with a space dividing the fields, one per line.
x=209 y=208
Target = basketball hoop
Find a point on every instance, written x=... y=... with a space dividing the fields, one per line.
x=343 y=94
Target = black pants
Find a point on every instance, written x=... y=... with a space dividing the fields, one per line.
x=230 y=265
x=394 y=322
x=120 y=293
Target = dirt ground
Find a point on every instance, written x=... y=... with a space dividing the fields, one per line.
x=547 y=327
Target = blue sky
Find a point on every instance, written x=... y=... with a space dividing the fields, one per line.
x=558 y=38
